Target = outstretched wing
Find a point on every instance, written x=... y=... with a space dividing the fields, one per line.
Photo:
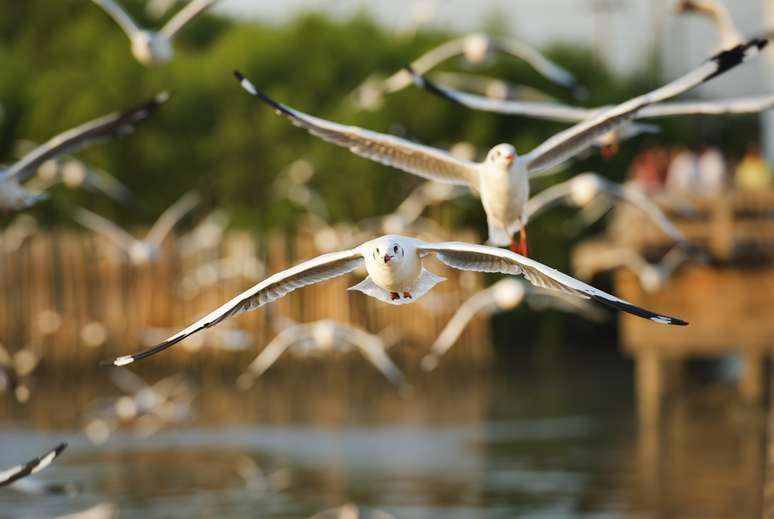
x=120 y=16
x=546 y=199
x=480 y=258
x=572 y=141
x=636 y=197
x=84 y=135
x=106 y=228
x=34 y=465
x=269 y=355
x=310 y=272
x=741 y=105
x=186 y=14
x=424 y=161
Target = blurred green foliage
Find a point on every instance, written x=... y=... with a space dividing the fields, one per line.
x=66 y=61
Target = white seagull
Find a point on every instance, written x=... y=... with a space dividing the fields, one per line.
x=583 y=189
x=146 y=250
x=18 y=472
x=573 y=114
x=504 y=295
x=503 y=177
x=153 y=47
x=319 y=337
x=14 y=196
x=475 y=48
x=396 y=276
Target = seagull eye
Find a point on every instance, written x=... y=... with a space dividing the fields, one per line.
x=395 y=249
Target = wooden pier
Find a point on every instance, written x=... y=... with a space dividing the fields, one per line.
x=729 y=302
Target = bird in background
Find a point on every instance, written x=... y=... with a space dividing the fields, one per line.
x=583 y=189
x=14 y=196
x=352 y=511
x=396 y=275
x=15 y=369
x=502 y=179
x=153 y=47
x=17 y=232
x=324 y=337
x=139 y=252
x=503 y=296
x=718 y=14
x=652 y=276
x=476 y=48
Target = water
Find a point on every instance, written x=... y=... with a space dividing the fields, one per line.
x=540 y=436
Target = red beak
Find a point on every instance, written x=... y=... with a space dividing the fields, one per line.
x=509 y=158
x=387 y=258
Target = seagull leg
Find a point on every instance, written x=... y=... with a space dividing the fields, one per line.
x=609 y=151
x=394 y=296
x=522 y=247
x=407 y=295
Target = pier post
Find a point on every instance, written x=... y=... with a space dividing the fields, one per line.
x=650 y=386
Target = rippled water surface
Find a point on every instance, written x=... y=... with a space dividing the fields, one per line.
x=533 y=437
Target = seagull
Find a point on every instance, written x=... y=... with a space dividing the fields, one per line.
x=422 y=197
x=207 y=236
x=718 y=13
x=573 y=114
x=396 y=276
x=475 y=48
x=491 y=87
x=324 y=336
x=583 y=189
x=18 y=472
x=292 y=184
x=352 y=511
x=17 y=232
x=504 y=295
x=140 y=252
x=13 y=196
x=652 y=276
x=153 y=47
x=503 y=177
x=217 y=271
x=73 y=174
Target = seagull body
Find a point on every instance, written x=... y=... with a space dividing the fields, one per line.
x=153 y=47
x=14 y=196
x=324 y=336
x=583 y=189
x=503 y=296
x=503 y=177
x=397 y=276
x=139 y=252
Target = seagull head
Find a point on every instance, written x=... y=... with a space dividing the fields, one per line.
x=502 y=156
x=151 y=48
x=584 y=188
x=387 y=251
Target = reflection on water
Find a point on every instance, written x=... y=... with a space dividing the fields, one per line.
x=547 y=438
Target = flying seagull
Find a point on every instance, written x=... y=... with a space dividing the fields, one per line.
x=396 y=276
x=323 y=336
x=718 y=13
x=475 y=48
x=503 y=177
x=18 y=472
x=583 y=189
x=13 y=196
x=153 y=47
x=504 y=295
x=142 y=251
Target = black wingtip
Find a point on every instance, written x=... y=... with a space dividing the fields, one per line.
x=253 y=90
x=640 y=312
x=730 y=58
x=426 y=84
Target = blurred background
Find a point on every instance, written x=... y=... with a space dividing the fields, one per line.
x=539 y=411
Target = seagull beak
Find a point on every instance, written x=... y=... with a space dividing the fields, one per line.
x=387 y=258
x=509 y=158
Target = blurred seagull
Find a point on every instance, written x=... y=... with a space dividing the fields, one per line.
x=17 y=232
x=573 y=114
x=583 y=189
x=153 y=47
x=220 y=270
x=718 y=13
x=396 y=276
x=504 y=295
x=424 y=196
x=320 y=337
x=206 y=236
x=227 y=339
x=503 y=177
x=475 y=48
x=100 y=511
x=352 y=511
x=652 y=276
x=73 y=174
x=13 y=196
x=146 y=250
x=18 y=472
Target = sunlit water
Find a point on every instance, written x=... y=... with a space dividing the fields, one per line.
x=536 y=437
